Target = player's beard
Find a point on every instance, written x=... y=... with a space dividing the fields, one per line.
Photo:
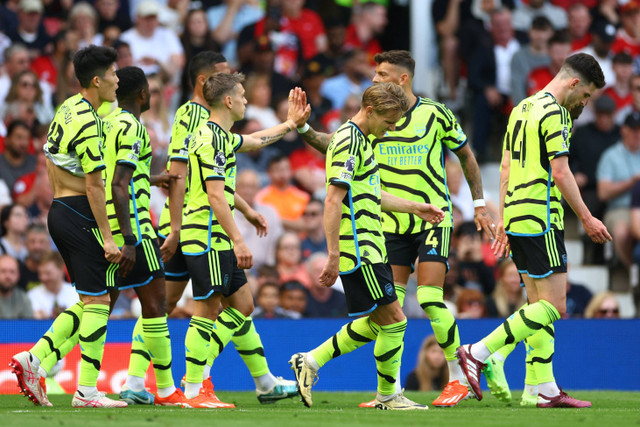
x=576 y=111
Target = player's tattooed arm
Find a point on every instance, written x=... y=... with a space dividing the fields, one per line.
x=471 y=171
x=318 y=140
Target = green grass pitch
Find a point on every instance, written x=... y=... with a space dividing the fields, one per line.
x=610 y=409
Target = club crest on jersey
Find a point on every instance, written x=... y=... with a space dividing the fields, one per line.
x=388 y=288
x=420 y=129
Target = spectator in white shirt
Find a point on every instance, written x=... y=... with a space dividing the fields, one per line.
x=155 y=49
x=54 y=295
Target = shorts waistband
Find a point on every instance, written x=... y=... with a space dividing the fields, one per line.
x=78 y=204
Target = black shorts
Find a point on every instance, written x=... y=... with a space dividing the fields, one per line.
x=539 y=256
x=429 y=246
x=368 y=287
x=175 y=270
x=148 y=266
x=76 y=234
x=213 y=272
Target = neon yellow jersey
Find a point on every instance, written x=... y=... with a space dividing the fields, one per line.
x=75 y=138
x=127 y=143
x=212 y=156
x=189 y=117
x=411 y=160
x=539 y=131
x=350 y=163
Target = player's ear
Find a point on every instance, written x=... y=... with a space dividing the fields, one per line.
x=573 y=83
x=96 y=80
x=404 y=77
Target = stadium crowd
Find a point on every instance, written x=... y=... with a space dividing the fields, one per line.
x=492 y=53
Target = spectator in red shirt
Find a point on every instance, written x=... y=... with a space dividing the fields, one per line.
x=628 y=38
x=578 y=23
x=559 y=50
x=367 y=21
x=307 y=25
x=620 y=89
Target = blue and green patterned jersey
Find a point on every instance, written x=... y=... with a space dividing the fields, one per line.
x=212 y=156
x=539 y=131
x=127 y=143
x=189 y=117
x=75 y=138
x=411 y=160
x=351 y=163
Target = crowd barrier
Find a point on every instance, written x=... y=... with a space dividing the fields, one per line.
x=590 y=354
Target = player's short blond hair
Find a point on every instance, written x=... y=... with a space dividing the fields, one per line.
x=385 y=97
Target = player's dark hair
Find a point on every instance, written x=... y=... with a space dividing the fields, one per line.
x=93 y=61
x=587 y=67
x=401 y=58
x=131 y=81
x=219 y=85
x=204 y=62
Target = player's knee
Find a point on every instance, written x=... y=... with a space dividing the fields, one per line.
x=246 y=308
x=95 y=299
x=170 y=306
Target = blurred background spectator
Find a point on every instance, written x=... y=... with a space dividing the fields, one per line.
x=293 y=297
x=289 y=260
x=470 y=304
x=287 y=200
x=37 y=243
x=509 y=294
x=315 y=239
x=16 y=160
x=263 y=249
x=603 y=306
x=431 y=372
x=14 y=221
x=618 y=171
x=14 y=302
x=268 y=304
x=323 y=301
x=54 y=294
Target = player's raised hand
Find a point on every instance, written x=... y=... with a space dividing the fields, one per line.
x=500 y=245
x=429 y=213
x=596 y=230
x=299 y=110
x=243 y=255
x=484 y=222
x=169 y=247
x=330 y=271
x=258 y=221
